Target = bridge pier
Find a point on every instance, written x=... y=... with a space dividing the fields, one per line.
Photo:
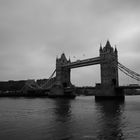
x=109 y=93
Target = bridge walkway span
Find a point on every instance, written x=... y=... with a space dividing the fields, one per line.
x=82 y=63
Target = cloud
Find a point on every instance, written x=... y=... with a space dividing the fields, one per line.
x=33 y=33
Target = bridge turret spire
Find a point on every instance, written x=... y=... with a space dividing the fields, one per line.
x=69 y=59
x=63 y=56
x=107 y=44
x=108 y=47
x=101 y=49
x=116 y=49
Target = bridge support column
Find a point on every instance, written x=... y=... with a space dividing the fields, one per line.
x=109 y=93
x=109 y=73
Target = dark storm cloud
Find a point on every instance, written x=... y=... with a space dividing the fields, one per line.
x=33 y=33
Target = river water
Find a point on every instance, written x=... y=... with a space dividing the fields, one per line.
x=61 y=119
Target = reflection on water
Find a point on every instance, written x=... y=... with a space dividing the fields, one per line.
x=102 y=122
x=62 y=110
x=62 y=113
x=111 y=120
x=64 y=119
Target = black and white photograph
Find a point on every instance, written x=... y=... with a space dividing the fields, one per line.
x=69 y=70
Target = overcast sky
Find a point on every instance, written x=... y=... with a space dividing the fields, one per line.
x=34 y=32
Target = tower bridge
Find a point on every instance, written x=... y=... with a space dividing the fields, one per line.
x=109 y=65
x=108 y=58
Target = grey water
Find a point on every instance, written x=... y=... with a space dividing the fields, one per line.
x=63 y=119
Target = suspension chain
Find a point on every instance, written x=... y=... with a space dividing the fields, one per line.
x=128 y=72
x=45 y=84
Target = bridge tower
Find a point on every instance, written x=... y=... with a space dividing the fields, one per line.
x=109 y=66
x=62 y=86
x=62 y=73
x=109 y=71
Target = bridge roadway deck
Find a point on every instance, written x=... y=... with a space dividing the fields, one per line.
x=82 y=63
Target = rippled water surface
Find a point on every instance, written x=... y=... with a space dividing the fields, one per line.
x=61 y=119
